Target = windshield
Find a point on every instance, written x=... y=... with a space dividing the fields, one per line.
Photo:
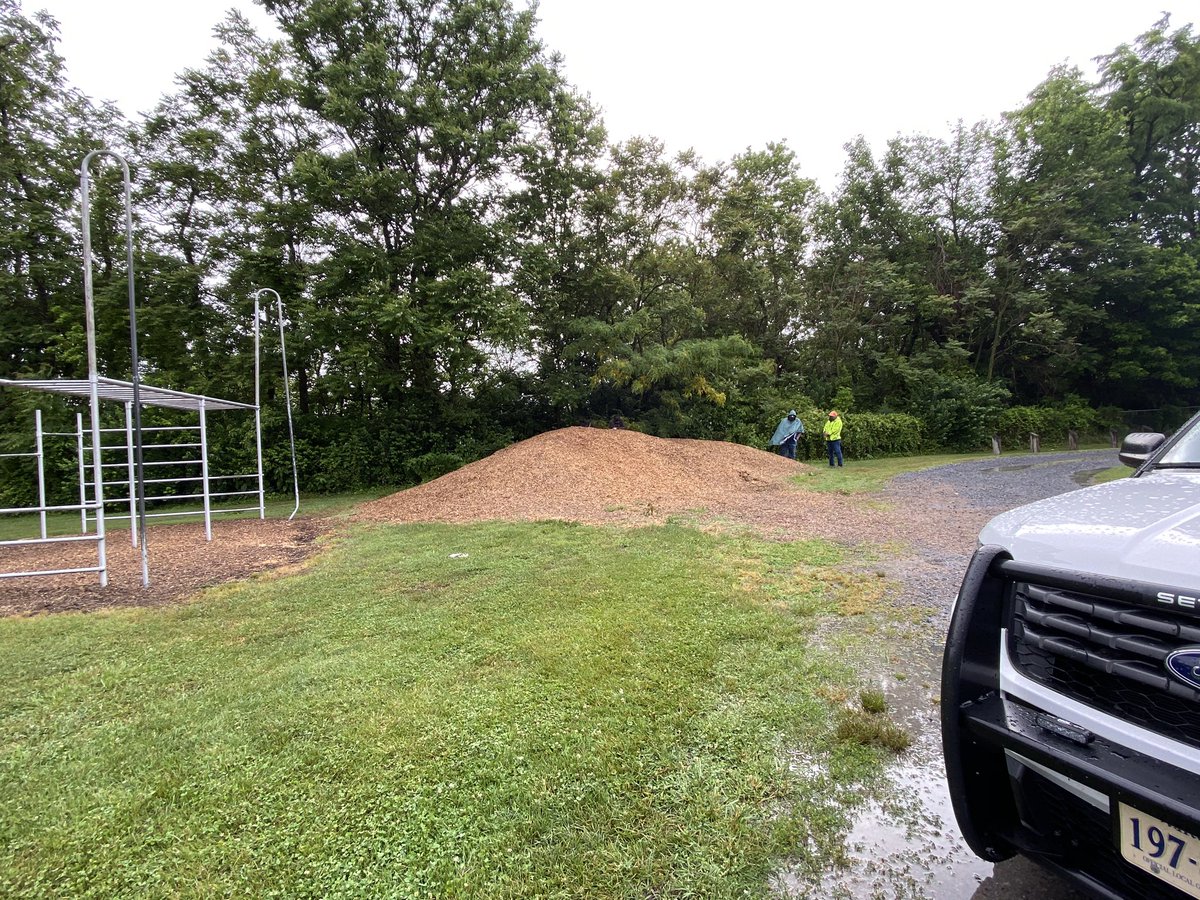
x=1186 y=452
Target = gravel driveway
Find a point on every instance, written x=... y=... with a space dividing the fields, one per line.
x=1009 y=481
x=949 y=504
x=908 y=845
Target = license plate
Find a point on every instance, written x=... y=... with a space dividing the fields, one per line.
x=1161 y=849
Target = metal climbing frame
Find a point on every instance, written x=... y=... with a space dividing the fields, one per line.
x=195 y=461
x=134 y=396
x=39 y=455
x=122 y=455
x=42 y=509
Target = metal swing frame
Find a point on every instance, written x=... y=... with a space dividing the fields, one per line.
x=134 y=395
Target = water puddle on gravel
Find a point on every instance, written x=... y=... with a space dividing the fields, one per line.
x=1085 y=477
x=906 y=846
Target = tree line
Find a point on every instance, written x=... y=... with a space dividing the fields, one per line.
x=467 y=260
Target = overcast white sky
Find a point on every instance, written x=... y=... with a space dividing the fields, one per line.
x=716 y=76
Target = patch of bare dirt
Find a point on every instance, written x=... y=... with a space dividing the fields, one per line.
x=180 y=563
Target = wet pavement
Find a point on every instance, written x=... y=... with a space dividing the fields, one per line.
x=907 y=845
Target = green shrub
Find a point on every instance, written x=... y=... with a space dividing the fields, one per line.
x=866 y=435
x=429 y=466
x=1051 y=423
x=957 y=412
x=871 y=435
x=1015 y=424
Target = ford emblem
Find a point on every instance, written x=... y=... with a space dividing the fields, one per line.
x=1185 y=666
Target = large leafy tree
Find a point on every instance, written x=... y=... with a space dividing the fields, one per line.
x=1063 y=204
x=562 y=270
x=1150 y=326
x=227 y=212
x=432 y=106
x=1097 y=208
x=758 y=225
x=46 y=128
x=870 y=299
x=644 y=322
x=1153 y=87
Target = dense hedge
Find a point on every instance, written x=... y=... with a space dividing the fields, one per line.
x=386 y=448
x=870 y=435
x=1050 y=423
x=864 y=435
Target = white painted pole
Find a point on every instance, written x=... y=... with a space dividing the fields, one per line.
x=204 y=473
x=41 y=470
x=93 y=373
x=83 y=523
x=132 y=476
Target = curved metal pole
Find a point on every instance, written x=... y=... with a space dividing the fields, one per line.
x=287 y=391
x=89 y=308
x=262 y=508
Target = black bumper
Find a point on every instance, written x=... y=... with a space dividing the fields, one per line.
x=1004 y=807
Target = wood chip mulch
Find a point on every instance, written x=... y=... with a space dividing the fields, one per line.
x=180 y=563
x=617 y=477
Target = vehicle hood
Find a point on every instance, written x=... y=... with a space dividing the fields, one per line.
x=1145 y=529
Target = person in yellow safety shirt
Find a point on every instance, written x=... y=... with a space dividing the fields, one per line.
x=833 y=437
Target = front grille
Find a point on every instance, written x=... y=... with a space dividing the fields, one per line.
x=1107 y=654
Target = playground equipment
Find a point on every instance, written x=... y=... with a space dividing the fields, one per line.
x=134 y=395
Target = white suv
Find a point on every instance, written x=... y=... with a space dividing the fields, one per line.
x=1071 y=680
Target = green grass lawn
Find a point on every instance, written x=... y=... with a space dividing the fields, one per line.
x=434 y=711
x=863 y=476
x=1112 y=474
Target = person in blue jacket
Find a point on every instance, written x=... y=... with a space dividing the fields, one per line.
x=787 y=435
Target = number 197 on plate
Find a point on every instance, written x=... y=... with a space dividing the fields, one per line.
x=1160 y=849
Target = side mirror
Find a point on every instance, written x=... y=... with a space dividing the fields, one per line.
x=1137 y=447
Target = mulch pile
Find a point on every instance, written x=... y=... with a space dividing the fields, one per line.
x=594 y=476
x=619 y=477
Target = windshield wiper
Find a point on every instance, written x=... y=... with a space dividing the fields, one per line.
x=1176 y=465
